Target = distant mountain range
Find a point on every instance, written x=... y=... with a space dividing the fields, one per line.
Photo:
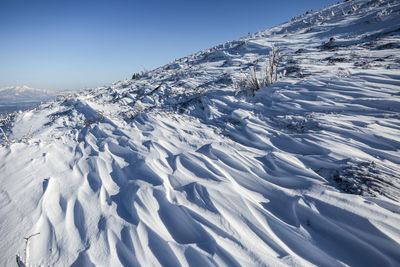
x=14 y=98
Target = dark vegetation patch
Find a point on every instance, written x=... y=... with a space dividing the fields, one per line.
x=331 y=45
x=365 y=178
x=59 y=114
x=335 y=59
x=390 y=45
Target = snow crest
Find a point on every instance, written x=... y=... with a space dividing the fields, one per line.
x=178 y=168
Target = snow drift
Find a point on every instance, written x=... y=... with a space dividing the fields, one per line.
x=178 y=168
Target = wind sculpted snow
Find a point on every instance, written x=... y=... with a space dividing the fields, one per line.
x=178 y=168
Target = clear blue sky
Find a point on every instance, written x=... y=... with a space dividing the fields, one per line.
x=60 y=44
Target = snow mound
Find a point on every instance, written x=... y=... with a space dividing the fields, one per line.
x=178 y=168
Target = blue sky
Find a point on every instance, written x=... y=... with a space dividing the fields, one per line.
x=59 y=44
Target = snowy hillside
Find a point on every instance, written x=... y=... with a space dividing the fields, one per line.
x=179 y=168
x=22 y=97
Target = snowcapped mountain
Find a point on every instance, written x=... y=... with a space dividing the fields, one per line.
x=180 y=168
x=22 y=97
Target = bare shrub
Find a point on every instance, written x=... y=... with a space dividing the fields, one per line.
x=23 y=263
x=253 y=81
x=132 y=114
x=89 y=122
x=135 y=76
x=5 y=136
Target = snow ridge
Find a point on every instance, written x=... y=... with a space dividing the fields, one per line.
x=178 y=168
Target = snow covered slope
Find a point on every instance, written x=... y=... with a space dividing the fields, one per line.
x=21 y=98
x=178 y=168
